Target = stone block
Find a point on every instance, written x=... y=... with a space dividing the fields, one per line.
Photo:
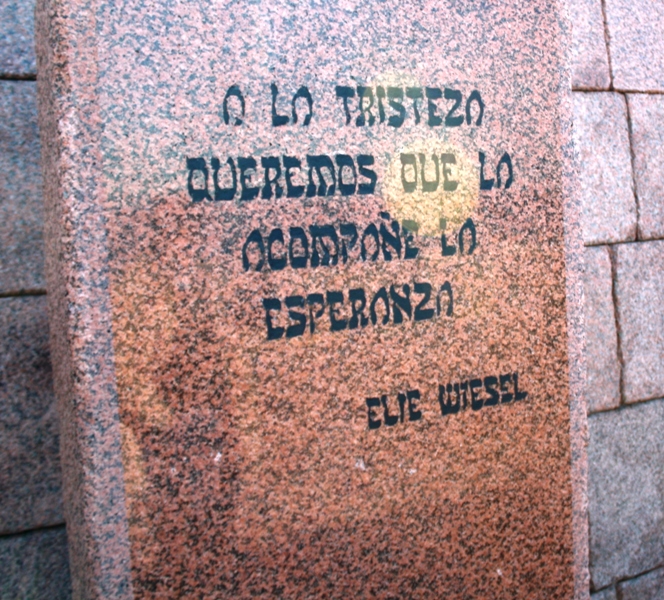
x=35 y=566
x=606 y=594
x=626 y=492
x=647 y=116
x=17 y=54
x=21 y=211
x=29 y=458
x=603 y=367
x=590 y=63
x=384 y=400
x=636 y=44
x=646 y=587
x=602 y=139
x=640 y=305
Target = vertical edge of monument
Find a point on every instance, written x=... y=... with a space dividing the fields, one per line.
x=79 y=307
x=575 y=320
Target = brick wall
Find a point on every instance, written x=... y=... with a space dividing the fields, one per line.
x=619 y=119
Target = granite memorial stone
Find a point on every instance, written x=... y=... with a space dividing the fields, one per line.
x=313 y=280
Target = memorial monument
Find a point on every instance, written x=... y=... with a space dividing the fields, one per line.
x=314 y=291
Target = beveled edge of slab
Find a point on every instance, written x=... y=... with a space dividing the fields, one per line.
x=79 y=305
x=574 y=262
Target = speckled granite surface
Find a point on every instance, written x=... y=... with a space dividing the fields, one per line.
x=260 y=383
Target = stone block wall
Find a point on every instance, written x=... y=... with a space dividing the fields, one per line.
x=33 y=539
x=618 y=86
x=618 y=79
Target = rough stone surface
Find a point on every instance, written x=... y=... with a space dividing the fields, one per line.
x=602 y=138
x=626 y=492
x=29 y=461
x=636 y=44
x=590 y=62
x=606 y=594
x=640 y=299
x=252 y=458
x=17 y=54
x=603 y=383
x=647 y=115
x=21 y=220
x=34 y=566
x=647 y=587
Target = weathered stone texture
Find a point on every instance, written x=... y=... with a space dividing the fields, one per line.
x=603 y=384
x=636 y=44
x=590 y=63
x=34 y=566
x=29 y=459
x=248 y=454
x=21 y=220
x=640 y=306
x=626 y=492
x=17 y=54
x=647 y=115
x=647 y=587
x=606 y=594
x=602 y=138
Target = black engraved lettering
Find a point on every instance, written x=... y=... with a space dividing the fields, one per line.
x=277 y=119
x=474 y=97
x=223 y=193
x=276 y=263
x=414 y=414
x=390 y=420
x=336 y=323
x=415 y=94
x=270 y=304
x=271 y=163
x=408 y=160
x=255 y=238
x=429 y=186
x=448 y=184
x=450 y=119
x=446 y=287
x=247 y=166
x=314 y=300
x=233 y=91
x=303 y=92
x=348 y=235
x=364 y=161
x=433 y=94
x=394 y=94
x=290 y=163
x=490 y=384
x=346 y=161
x=372 y=403
x=345 y=92
x=298 y=260
x=194 y=165
x=318 y=163
x=296 y=329
x=364 y=92
x=381 y=295
x=470 y=227
x=401 y=303
x=358 y=302
x=422 y=313
x=319 y=233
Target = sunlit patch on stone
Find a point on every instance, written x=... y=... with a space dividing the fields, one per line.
x=431 y=184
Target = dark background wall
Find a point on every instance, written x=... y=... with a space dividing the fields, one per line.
x=33 y=540
x=619 y=119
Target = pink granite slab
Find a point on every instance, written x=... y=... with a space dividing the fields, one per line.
x=216 y=448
